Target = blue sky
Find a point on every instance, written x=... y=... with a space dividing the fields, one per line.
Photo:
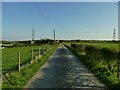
x=60 y=0
x=75 y=20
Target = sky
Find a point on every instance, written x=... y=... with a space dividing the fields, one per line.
x=71 y=20
x=60 y=0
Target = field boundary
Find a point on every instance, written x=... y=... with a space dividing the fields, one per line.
x=90 y=55
x=20 y=64
x=19 y=79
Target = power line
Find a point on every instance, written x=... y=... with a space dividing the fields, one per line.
x=43 y=15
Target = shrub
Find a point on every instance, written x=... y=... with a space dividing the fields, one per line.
x=93 y=53
x=108 y=54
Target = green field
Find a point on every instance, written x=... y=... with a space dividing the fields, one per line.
x=111 y=45
x=10 y=56
x=17 y=79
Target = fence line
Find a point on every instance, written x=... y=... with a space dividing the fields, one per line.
x=20 y=61
x=32 y=55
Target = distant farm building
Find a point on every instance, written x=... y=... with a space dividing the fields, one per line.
x=7 y=45
x=1 y=46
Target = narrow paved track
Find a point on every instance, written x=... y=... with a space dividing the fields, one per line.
x=64 y=70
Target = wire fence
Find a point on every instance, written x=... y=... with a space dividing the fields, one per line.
x=19 y=58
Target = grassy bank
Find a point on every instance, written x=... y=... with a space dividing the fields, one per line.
x=19 y=79
x=109 y=45
x=105 y=68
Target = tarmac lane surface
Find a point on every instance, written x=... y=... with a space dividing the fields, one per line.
x=64 y=70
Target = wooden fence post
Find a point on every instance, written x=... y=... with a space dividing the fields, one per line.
x=32 y=55
x=118 y=63
x=39 y=51
x=19 y=61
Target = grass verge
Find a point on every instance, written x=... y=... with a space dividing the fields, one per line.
x=19 y=79
x=99 y=71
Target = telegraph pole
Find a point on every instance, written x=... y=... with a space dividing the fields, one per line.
x=118 y=46
x=118 y=74
x=33 y=35
x=32 y=42
x=54 y=34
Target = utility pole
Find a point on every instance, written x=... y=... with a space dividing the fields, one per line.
x=114 y=35
x=32 y=42
x=54 y=34
x=33 y=35
x=118 y=47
